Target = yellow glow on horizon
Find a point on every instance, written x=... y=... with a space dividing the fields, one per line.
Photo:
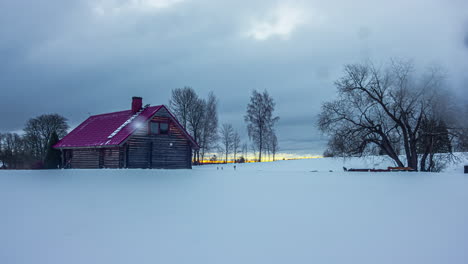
x=252 y=159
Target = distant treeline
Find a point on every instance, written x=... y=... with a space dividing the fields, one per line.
x=33 y=148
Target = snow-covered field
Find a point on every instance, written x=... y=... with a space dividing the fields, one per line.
x=281 y=212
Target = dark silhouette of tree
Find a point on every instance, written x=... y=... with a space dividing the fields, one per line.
x=181 y=102
x=381 y=109
x=260 y=120
x=195 y=123
x=53 y=159
x=209 y=130
x=227 y=140
x=236 y=141
x=274 y=145
x=38 y=131
x=198 y=116
x=14 y=154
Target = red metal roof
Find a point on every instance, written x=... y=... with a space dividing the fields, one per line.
x=111 y=129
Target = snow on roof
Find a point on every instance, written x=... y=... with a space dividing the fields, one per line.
x=125 y=124
x=106 y=129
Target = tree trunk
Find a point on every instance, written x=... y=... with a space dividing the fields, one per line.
x=388 y=149
x=413 y=162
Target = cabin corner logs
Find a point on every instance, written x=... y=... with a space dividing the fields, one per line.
x=142 y=150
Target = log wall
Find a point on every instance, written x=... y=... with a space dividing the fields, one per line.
x=171 y=151
x=93 y=158
x=84 y=158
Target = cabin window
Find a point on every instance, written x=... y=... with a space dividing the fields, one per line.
x=163 y=128
x=159 y=128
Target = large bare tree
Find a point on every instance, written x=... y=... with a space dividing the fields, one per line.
x=381 y=109
x=195 y=123
x=198 y=116
x=181 y=103
x=260 y=119
x=209 y=130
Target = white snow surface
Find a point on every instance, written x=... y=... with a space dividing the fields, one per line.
x=279 y=212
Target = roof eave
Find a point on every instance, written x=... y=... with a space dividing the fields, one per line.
x=86 y=147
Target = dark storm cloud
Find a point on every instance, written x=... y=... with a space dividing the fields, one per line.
x=87 y=57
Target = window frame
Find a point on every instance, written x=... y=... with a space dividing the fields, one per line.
x=158 y=132
x=168 y=128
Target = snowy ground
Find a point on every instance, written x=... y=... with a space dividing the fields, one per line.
x=279 y=212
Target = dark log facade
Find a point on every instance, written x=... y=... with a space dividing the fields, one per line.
x=143 y=149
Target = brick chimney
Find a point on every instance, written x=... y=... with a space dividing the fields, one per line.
x=137 y=103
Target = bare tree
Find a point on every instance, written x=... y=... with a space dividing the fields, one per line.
x=209 y=131
x=198 y=116
x=2 y=151
x=271 y=144
x=195 y=123
x=434 y=138
x=253 y=148
x=14 y=151
x=245 y=150
x=380 y=108
x=460 y=128
x=181 y=102
x=227 y=139
x=39 y=130
x=236 y=141
x=260 y=120
x=274 y=145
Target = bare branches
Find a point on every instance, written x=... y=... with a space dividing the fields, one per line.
x=383 y=107
x=260 y=120
x=227 y=140
x=209 y=130
x=236 y=141
x=181 y=103
x=38 y=131
x=198 y=116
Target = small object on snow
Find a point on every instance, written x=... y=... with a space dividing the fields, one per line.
x=407 y=169
x=314 y=171
x=466 y=169
x=400 y=169
x=222 y=168
x=359 y=170
x=330 y=171
x=234 y=167
x=217 y=168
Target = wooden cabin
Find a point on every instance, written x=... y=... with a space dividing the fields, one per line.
x=143 y=137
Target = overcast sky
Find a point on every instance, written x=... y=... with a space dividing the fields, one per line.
x=80 y=57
